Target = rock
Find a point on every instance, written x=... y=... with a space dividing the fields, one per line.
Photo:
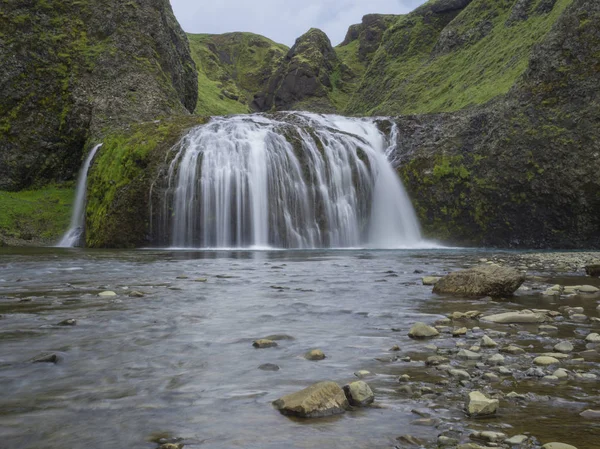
x=422 y=330
x=410 y=440
x=436 y=360
x=480 y=405
x=68 y=322
x=512 y=349
x=269 y=367
x=516 y=440
x=548 y=328
x=182 y=277
x=496 y=359
x=314 y=354
x=564 y=347
x=590 y=414
x=430 y=280
x=404 y=378
x=171 y=446
x=588 y=289
x=593 y=338
x=136 y=294
x=279 y=337
x=264 y=343
x=560 y=373
x=558 y=446
x=465 y=354
x=461 y=374
x=593 y=270
x=491 y=377
x=359 y=394
x=482 y=280
x=320 y=399
x=200 y=280
x=46 y=358
x=545 y=361
x=488 y=435
x=487 y=342
x=520 y=317
x=459 y=332
x=515 y=395
x=362 y=374
x=107 y=293
x=444 y=441
x=395 y=348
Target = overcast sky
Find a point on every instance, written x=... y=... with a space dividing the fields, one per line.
x=282 y=20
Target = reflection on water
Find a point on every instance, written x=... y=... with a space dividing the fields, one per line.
x=179 y=361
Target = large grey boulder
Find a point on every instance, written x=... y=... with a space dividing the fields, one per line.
x=320 y=399
x=482 y=280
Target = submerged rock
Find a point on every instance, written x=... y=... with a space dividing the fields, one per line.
x=520 y=317
x=479 y=404
x=268 y=367
x=483 y=280
x=136 y=294
x=68 y=322
x=431 y=280
x=359 y=394
x=593 y=270
x=422 y=330
x=320 y=399
x=46 y=358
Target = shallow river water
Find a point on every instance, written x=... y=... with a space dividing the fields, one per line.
x=179 y=362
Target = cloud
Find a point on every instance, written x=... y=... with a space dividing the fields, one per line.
x=282 y=20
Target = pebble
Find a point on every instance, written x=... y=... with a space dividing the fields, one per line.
x=561 y=373
x=564 y=347
x=545 y=361
x=107 y=293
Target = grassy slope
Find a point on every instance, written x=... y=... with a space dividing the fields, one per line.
x=29 y=214
x=246 y=64
x=421 y=80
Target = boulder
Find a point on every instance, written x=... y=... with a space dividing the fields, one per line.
x=520 y=317
x=320 y=399
x=359 y=394
x=479 y=404
x=483 y=280
x=422 y=330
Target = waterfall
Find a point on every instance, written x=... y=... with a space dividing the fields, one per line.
x=295 y=180
x=73 y=236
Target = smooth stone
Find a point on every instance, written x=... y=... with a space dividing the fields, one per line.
x=556 y=355
x=136 y=294
x=516 y=440
x=264 y=343
x=68 y=322
x=107 y=293
x=590 y=414
x=550 y=378
x=279 y=337
x=520 y=317
x=201 y=280
x=468 y=355
x=512 y=349
x=461 y=374
x=314 y=354
x=269 y=367
x=588 y=289
x=430 y=280
x=492 y=437
x=561 y=373
x=46 y=358
x=482 y=280
x=436 y=360
x=491 y=377
x=359 y=394
x=363 y=373
x=318 y=400
x=422 y=330
x=480 y=405
x=579 y=317
x=487 y=342
x=475 y=348
x=545 y=361
x=548 y=328
x=564 y=347
x=404 y=378
x=558 y=446
x=593 y=338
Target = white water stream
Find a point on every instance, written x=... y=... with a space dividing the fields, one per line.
x=74 y=235
x=303 y=181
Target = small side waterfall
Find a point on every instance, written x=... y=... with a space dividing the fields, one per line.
x=73 y=236
x=300 y=180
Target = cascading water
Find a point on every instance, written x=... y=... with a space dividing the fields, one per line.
x=300 y=181
x=73 y=236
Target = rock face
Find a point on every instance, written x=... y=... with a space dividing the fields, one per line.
x=479 y=405
x=484 y=280
x=359 y=394
x=69 y=69
x=318 y=400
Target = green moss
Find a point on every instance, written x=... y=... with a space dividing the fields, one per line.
x=39 y=213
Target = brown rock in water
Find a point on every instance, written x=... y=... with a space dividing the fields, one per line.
x=318 y=400
x=483 y=280
x=593 y=270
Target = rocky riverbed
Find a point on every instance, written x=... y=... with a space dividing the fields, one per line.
x=200 y=349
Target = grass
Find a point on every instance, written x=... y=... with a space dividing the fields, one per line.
x=30 y=214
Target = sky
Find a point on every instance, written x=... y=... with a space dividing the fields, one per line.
x=282 y=20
